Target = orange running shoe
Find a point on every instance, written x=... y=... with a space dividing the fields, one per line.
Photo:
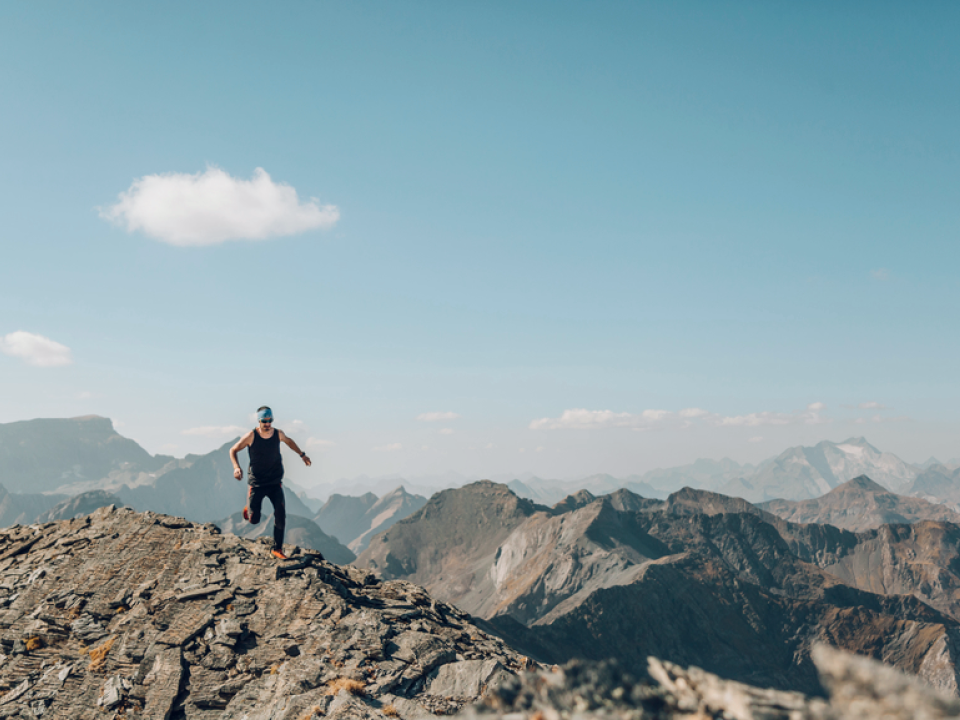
x=246 y=514
x=278 y=554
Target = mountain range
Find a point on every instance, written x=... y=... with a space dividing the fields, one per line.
x=700 y=578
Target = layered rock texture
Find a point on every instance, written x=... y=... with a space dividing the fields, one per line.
x=860 y=504
x=122 y=614
x=700 y=579
x=855 y=688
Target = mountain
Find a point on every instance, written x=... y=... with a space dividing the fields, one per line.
x=23 y=508
x=341 y=515
x=385 y=513
x=703 y=473
x=71 y=455
x=300 y=531
x=860 y=504
x=550 y=492
x=627 y=577
x=78 y=505
x=800 y=473
x=354 y=520
x=937 y=483
x=123 y=614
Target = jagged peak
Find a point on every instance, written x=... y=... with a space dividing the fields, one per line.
x=577 y=500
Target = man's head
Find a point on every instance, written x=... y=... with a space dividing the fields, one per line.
x=264 y=415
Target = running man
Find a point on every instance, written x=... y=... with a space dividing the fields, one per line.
x=266 y=473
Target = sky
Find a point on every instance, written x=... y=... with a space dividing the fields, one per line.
x=561 y=238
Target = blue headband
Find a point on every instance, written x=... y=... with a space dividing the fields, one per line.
x=264 y=414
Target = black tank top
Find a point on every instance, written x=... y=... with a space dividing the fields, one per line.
x=266 y=465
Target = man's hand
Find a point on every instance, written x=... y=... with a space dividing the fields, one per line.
x=306 y=461
x=238 y=473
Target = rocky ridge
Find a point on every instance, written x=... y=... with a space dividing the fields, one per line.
x=700 y=579
x=139 y=615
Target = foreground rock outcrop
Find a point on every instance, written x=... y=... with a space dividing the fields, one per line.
x=147 y=616
x=856 y=688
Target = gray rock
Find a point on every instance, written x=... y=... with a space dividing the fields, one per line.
x=467 y=678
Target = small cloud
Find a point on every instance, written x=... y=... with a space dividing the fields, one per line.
x=880 y=274
x=816 y=406
x=211 y=207
x=539 y=448
x=320 y=445
x=488 y=446
x=756 y=439
x=583 y=419
x=215 y=431
x=446 y=431
x=693 y=413
x=871 y=406
x=860 y=421
x=391 y=447
x=35 y=350
x=437 y=416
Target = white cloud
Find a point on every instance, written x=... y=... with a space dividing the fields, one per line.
x=539 y=448
x=446 y=431
x=215 y=431
x=437 y=416
x=211 y=207
x=35 y=349
x=583 y=419
x=391 y=447
x=880 y=274
x=871 y=406
x=320 y=445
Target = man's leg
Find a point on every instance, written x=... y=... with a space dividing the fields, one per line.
x=255 y=501
x=279 y=515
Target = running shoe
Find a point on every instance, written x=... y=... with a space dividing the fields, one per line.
x=246 y=514
x=278 y=554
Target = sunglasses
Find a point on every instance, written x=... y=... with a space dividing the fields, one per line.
x=268 y=421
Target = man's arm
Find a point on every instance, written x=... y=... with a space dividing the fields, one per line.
x=242 y=443
x=296 y=448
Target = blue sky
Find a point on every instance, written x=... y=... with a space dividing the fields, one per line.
x=739 y=208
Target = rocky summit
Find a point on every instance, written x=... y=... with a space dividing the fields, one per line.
x=139 y=615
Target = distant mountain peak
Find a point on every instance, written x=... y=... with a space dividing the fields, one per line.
x=862 y=482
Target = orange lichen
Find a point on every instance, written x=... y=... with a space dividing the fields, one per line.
x=98 y=655
x=354 y=687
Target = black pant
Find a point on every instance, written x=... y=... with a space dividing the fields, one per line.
x=275 y=494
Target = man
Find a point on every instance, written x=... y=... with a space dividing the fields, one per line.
x=266 y=473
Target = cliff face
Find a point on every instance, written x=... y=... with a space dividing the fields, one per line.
x=143 y=615
x=698 y=579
